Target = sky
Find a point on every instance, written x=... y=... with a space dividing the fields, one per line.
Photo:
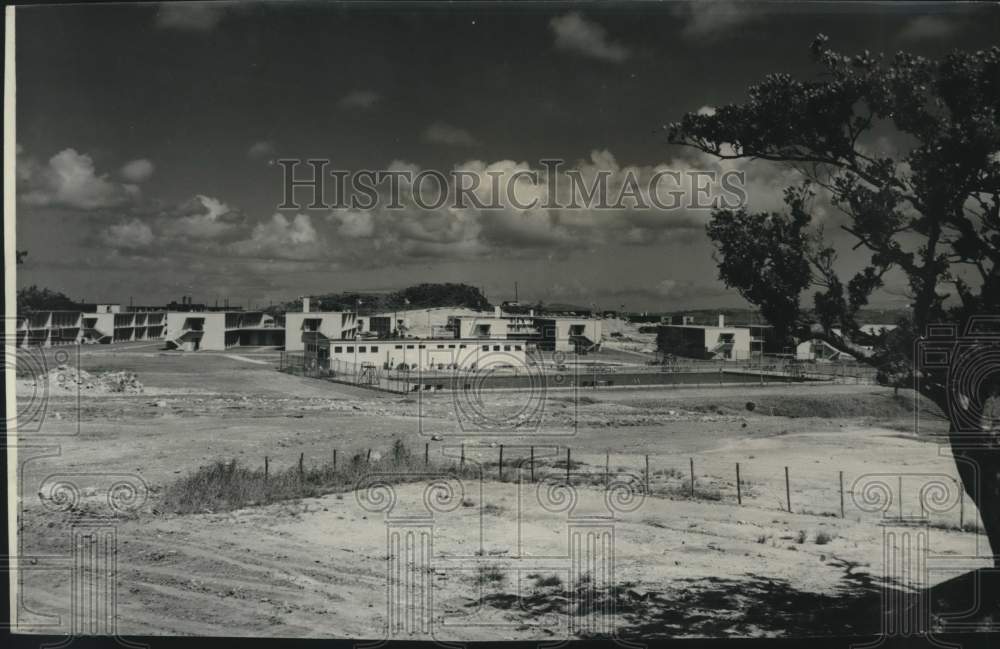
x=147 y=136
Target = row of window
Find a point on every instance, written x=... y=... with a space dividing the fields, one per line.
x=363 y=349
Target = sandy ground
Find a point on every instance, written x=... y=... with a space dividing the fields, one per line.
x=503 y=561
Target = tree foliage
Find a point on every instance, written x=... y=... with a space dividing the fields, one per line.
x=931 y=211
x=927 y=207
x=421 y=296
x=33 y=298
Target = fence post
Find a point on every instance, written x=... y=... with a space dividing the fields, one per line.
x=532 y=463
x=607 y=469
x=567 y=465
x=842 y=494
x=302 y=457
x=900 y=497
x=788 y=492
x=500 y=465
x=647 y=474
x=427 y=453
x=335 y=460
x=265 y=468
x=961 y=507
x=739 y=489
x=368 y=458
x=461 y=460
x=692 y=476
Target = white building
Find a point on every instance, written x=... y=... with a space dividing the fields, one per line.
x=719 y=342
x=414 y=354
x=221 y=330
x=547 y=333
x=333 y=325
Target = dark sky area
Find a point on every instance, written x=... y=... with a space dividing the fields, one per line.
x=146 y=137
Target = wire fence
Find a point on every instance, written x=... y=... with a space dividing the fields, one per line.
x=934 y=499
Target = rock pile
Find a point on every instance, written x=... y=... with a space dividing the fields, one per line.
x=70 y=379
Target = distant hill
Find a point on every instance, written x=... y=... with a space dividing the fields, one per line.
x=421 y=296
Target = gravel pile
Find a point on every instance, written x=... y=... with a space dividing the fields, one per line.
x=69 y=379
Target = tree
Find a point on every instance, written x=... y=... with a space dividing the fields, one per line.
x=931 y=212
x=33 y=298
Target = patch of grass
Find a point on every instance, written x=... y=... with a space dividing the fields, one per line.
x=493 y=510
x=800 y=538
x=490 y=575
x=548 y=581
x=823 y=537
x=228 y=485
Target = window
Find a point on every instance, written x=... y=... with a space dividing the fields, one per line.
x=451 y=347
x=461 y=346
x=422 y=346
x=409 y=346
x=338 y=350
x=374 y=348
x=486 y=348
x=517 y=348
x=506 y=348
x=399 y=346
x=362 y=349
x=440 y=346
x=350 y=349
x=496 y=348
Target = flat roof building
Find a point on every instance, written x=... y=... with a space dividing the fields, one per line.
x=546 y=333
x=221 y=330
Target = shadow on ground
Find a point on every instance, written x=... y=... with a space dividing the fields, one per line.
x=756 y=605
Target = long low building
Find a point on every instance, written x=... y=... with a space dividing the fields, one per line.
x=221 y=330
x=545 y=333
x=413 y=354
x=106 y=324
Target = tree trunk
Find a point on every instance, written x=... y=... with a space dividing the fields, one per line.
x=979 y=469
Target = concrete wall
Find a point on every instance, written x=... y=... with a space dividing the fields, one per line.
x=429 y=354
x=336 y=325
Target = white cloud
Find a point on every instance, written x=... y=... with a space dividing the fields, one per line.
x=137 y=171
x=708 y=19
x=441 y=133
x=130 y=235
x=927 y=27
x=359 y=99
x=576 y=34
x=190 y=16
x=203 y=218
x=261 y=149
x=71 y=180
x=281 y=237
x=354 y=224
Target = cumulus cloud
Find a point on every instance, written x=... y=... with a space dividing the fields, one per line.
x=442 y=133
x=709 y=19
x=359 y=99
x=261 y=149
x=201 y=218
x=130 y=235
x=137 y=171
x=70 y=180
x=190 y=16
x=281 y=237
x=354 y=224
x=928 y=27
x=538 y=217
x=575 y=34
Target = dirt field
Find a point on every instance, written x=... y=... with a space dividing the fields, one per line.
x=504 y=561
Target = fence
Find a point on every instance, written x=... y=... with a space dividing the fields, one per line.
x=937 y=500
x=541 y=373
